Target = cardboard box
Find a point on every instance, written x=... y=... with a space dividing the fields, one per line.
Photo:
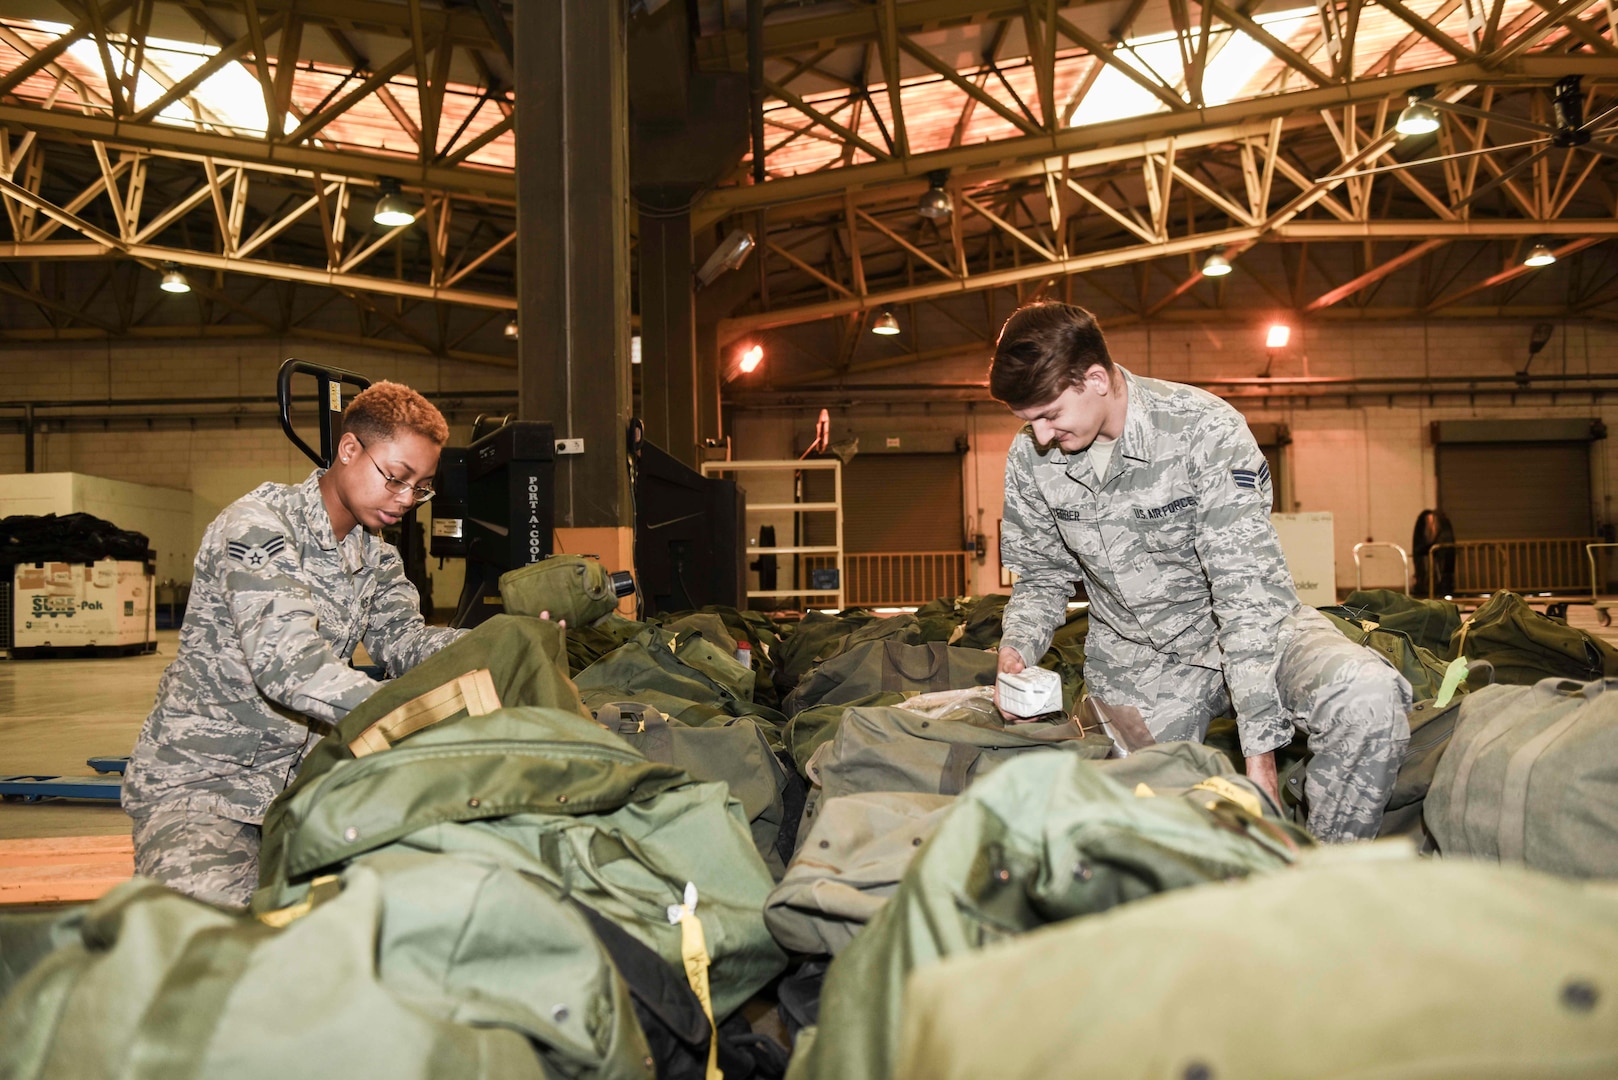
x=105 y=604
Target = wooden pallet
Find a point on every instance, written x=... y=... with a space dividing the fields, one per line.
x=63 y=869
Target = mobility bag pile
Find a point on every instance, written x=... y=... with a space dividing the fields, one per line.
x=620 y=850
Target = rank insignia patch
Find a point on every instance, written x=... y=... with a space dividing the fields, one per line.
x=1251 y=479
x=255 y=556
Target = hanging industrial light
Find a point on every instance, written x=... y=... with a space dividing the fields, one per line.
x=751 y=359
x=1540 y=256
x=1278 y=336
x=934 y=203
x=1215 y=265
x=1418 y=117
x=885 y=324
x=173 y=281
x=511 y=328
x=391 y=209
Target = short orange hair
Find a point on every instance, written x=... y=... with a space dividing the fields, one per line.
x=379 y=411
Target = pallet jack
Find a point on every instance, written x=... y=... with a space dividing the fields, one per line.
x=105 y=786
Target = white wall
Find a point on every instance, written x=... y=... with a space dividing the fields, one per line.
x=1371 y=465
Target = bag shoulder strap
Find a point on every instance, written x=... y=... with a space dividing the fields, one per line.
x=473 y=692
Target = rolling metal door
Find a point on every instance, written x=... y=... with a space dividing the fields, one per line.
x=1510 y=491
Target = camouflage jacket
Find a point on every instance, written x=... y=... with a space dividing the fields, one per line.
x=277 y=607
x=1174 y=546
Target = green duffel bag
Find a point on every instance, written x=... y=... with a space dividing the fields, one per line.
x=808 y=639
x=1046 y=838
x=1355 y=963
x=981 y=621
x=737 y=753
x=849 y=865
x=587 y=644
x=575 y=589
x=904 y=629
x=1529 y=777
x=890 y=665
x=893 y=749
x=554 y=795
x=806 y=731
x=1423 y=669
x=1187 y=770
x=525 y=661
x=1429 y=623
x=1525 y=646
x=689 y=667
x=410 y=966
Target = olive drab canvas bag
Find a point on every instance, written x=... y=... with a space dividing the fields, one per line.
x=890 y=748
x=1524 y=646
x=737 y=753
x=1530 y=777
x=876 y=666
x=405 y=966
x=1042 y=839
x=553 y=795
x=1360 y=961
x=575 y=589
x=849 y=864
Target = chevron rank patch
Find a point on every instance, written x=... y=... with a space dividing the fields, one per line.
x=255 y=556
x=1252 y=479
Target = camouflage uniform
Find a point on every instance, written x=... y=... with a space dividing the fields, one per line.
x=277 y=607
x=1192 y=610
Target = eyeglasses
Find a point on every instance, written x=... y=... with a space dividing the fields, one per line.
x=397 y=486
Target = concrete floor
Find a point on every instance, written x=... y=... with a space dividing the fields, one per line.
x=56 y=713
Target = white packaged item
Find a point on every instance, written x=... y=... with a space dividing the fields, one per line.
x=1030 y=692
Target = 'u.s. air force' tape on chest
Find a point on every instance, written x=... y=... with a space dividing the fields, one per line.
x=1252 y=479
x=255 y=556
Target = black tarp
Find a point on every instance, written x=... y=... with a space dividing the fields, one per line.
x=74 y=538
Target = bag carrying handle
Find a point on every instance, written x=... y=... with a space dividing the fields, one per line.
x=1557 y=686
x=474 y=692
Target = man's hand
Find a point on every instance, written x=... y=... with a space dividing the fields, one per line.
x=1011 y=663
x=1261 y=770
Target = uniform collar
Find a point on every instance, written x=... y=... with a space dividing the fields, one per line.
x=356 y=548
x=1138 y=440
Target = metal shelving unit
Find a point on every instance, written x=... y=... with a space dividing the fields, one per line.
x=714 y=468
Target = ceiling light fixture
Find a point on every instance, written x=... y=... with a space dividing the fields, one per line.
x=173 y=281
x=752 y=358
x=511 y=328
x=1540 y=256
x=1278 y=336
x=392 y=210
x=730 y=254
x=1215 y=265
x=885 y=324
x=934 y=203
x=1418 y=117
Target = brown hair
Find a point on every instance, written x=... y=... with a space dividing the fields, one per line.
x=1044 y=349
x=379 y=411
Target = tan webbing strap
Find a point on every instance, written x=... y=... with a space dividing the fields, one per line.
x=1512 y=836
x=473 y=692
x=958 y=768
x=694 y=957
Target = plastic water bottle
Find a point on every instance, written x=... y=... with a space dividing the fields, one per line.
x=744 y=654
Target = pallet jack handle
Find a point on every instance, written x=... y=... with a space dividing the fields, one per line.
x=330 y=381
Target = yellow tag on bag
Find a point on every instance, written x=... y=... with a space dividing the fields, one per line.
x=694 y=952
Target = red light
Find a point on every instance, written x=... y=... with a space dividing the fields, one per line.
x=751 y=359
x=1278 y=337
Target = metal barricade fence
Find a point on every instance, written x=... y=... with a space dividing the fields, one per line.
x=1551 y=564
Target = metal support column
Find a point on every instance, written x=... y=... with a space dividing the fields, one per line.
x=573 y=246
x=668 y=336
